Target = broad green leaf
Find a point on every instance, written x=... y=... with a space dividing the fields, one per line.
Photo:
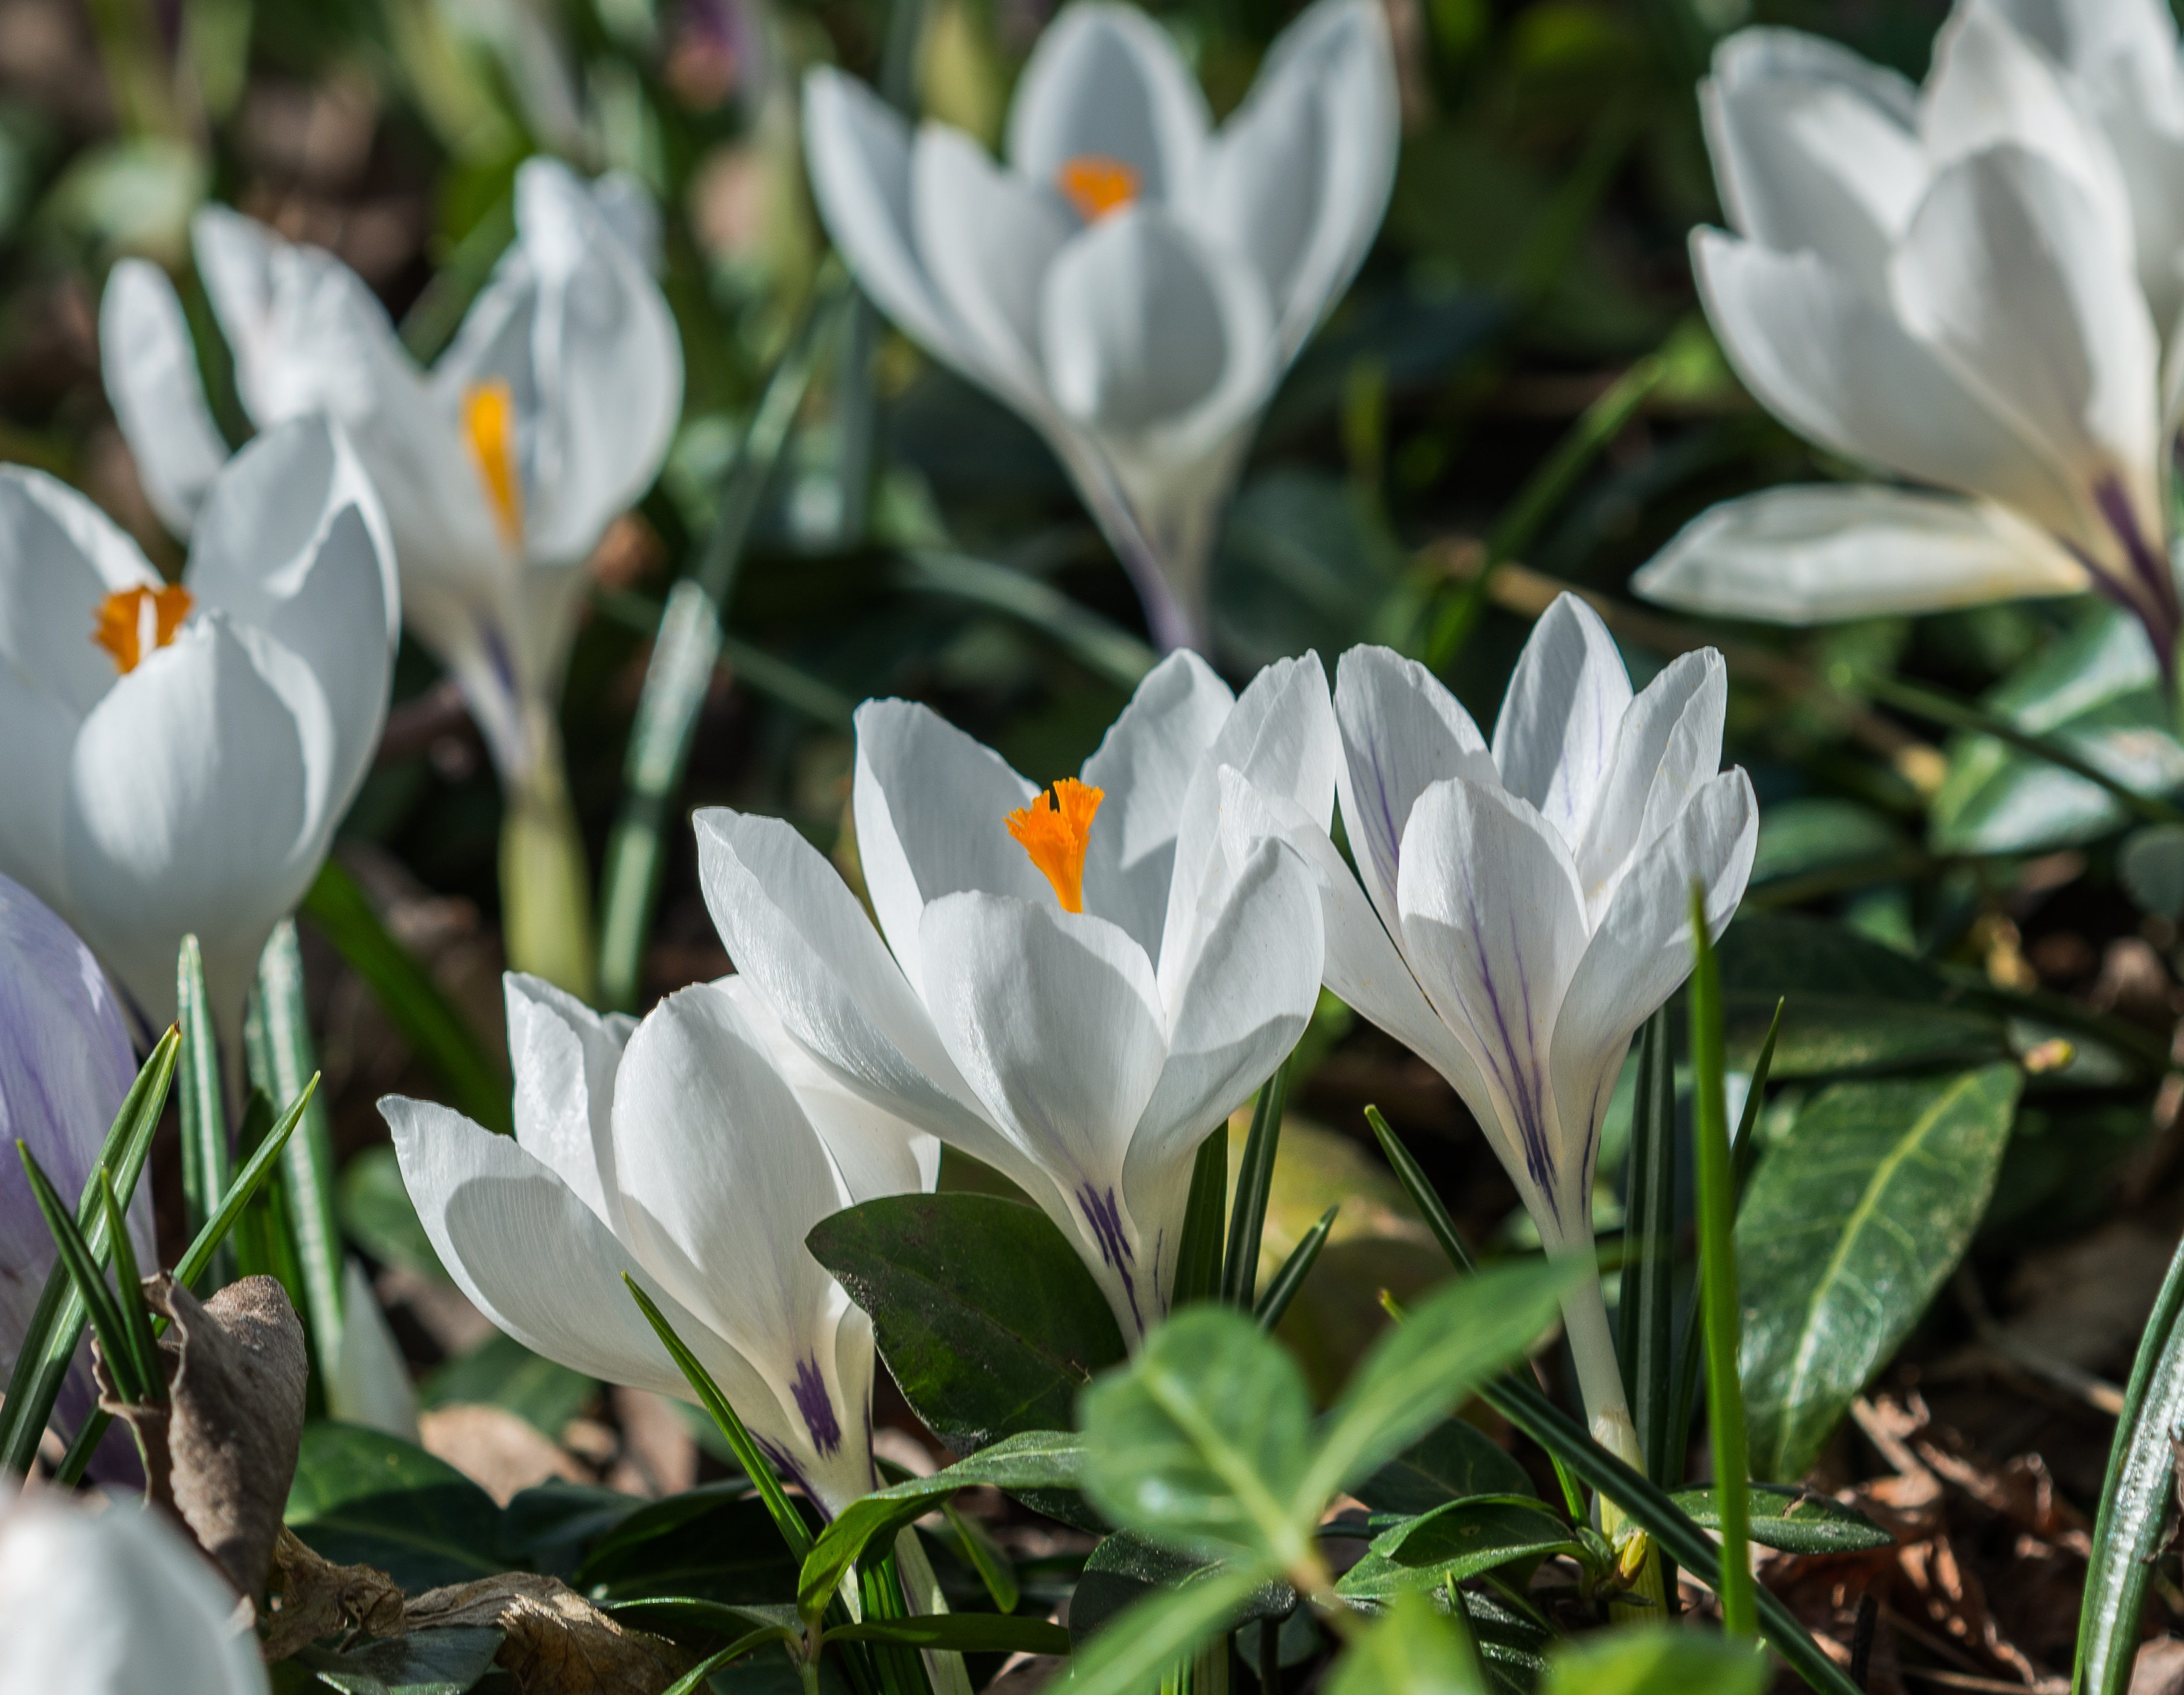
x=1852 y=1004
x=1792 y=1520
x=985 y=1315
x=1849 y=1226
x=1800 y=837
x=2135 y=1499
x=1136 y=1649
x=2097 y=692
x=423 y=1662
x=1656 y=1660
x=1453 y=1543
x=1037 y=1459
x=1451 y=1462
x=378 y=1215
x=1125 y=1569
x=501 y=1372
x=1416 y=1373
x=1410 y=1651
x=362 y=1498
x=714 y=1543
x=1205 y=1440
x=548 y=1526
x=2151 y=863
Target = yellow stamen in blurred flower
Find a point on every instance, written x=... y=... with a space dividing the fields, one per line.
x=1097 y=185
x=489 y=421
x=1054 y=830
x=132 y=622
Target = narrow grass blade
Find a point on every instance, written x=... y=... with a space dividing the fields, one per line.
x=1294 y=1270
x=1717 y=1281
x=80 y=1264
x=49 y=1341
x=2135 y=1499
x=786 y=1519
x=1198 y=1259
x=1416 y=1184
x=1105 y=648
x=1647 y=1308
x=1741 y=1155
x=204 y=1113
x=685 y=652
x=986 y=1557
x=277 y=1036
x=199 y=1255
x=128 y=1295
x=1255 y=1185
x=696 y=1679
x=427 y=1018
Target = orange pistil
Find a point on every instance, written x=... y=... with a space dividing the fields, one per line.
x=1097 y=185
x=489 y=421
x=1054 y=830
x=132 y=622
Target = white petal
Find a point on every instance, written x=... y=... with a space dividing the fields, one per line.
x=59 y=557
x=1556 y=732
x=564 y=1057
x=1054 y=1020
x=2010 y=273
x=114 y=1602
x=1143 y=767
x=932 y=807
x=857 y=149
x=1800 y=555
x=151 y=369
x=986 y=238
x=1299 y=177
x=1839 y=368
x=190 y=792
x=1669 y=744
x=1105 y=82
x=1402 y=732
x=290 y=539
x=1643 y=950
x=1812 y=148
x=34 y=773
x=1494 y=925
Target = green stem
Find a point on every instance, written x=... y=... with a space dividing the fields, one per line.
x=545 y=883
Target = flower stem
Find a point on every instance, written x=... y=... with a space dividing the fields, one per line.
x=545 y=883
x=1607 y=1412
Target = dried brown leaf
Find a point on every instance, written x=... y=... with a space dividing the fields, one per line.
x=558 y=1642
x=312 y=1598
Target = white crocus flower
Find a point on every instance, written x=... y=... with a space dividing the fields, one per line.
x=500 y=468
x=692 y=1151
x=115 y=1601
x=1133 y=282
x=1527 y=904
x=1944 y=284
x=177 y=757
x=1076 y=994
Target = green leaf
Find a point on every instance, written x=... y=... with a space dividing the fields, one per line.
x=1451 y=1462
x=1198 y=1266
x=424 y=1662
x=1656 y=1659
x=1453 y=1342
x=363 y=1498
x=1136 y=1648
x=1792 y=1520
x=960 y=1633
x=1456 y=1542
x=1850 y=1225
x=974 y=1545
x=1255 y=1186
x=1647 y=1306
x=428 y=1021
x=80 y=1263
x=380 y=1218
x=1205 y=1440
x=2151 y=863
x=1289 y=1276
x=1410 y=1651
x=1803 y=837
x=501 y=1372
x=714 y=1544
x=2097 y=693
x=129 y=1292
x=204 y=1113
x=2136 y=1498
x=695 y=1679
x=1125 y=1569
x=1037 y=1459
x=1848 y=1004
x=548 y=1526
x=985 y=1315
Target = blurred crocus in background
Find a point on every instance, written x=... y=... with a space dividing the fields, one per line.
x=1073 y=987
x=1527 y=904
x=1133 y=282
x=1966 y=285
x=693 y=1152
x=177 y=756
x=501 y=468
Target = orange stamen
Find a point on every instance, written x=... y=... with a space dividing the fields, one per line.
x=1054 y=830
x=489 y=421
x=1097 y=185
x=133 y=622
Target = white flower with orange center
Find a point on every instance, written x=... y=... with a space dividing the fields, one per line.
x=1134 y=281
x=1074 y=987
x=177 y=756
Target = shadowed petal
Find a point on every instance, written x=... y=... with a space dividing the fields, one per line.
x=564 y=1057
x=150 y=366
x=1556 y=732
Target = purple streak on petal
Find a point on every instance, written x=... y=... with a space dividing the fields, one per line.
x=791 y=1472
x=504 y=664
x=2150 y=591
x=1520 y=1081
x=1105 y=1217
x=817 y=1407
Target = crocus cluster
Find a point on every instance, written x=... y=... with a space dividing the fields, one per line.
x=1967 y=286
